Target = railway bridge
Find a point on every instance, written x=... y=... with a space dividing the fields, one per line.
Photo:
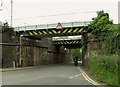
x=48 y=43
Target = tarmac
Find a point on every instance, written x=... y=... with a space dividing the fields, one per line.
x=22 y=68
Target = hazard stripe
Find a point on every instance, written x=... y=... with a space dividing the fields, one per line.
x=59 y=32
x=70 y=30
x=58 y=42
x=71 y=42
x=54 y=31
x=61 y=42
x=65 y=42
x=35 y=33
x=65 y=31
x=76 y=30
x=81 y=30
x=49 y=32
x=30 y=33
x=39 y=32
x=77 y=42
x=74 y=42
x=44 y=32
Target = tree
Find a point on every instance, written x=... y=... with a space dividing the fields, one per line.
x=104 y=30
x=101 y=25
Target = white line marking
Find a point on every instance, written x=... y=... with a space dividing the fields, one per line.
x=75 y=76
x=70 y=77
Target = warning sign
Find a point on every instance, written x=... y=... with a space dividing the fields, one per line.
x=59 y=26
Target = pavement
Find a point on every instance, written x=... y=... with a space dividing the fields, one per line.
x=22 y=68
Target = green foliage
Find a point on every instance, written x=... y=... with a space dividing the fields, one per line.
x=100 y=25
x=77 y=53
x=113 y=44
x=6 y=28
x=7 y=33
x=105 y=68
x=104 y=30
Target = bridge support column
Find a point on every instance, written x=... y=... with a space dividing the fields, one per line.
x=14 y=37
x=84 y=47
x=57 y=50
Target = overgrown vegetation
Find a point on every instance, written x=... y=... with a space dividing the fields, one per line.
x=105 y=66
x=77 y=53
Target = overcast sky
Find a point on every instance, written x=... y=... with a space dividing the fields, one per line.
x=31 y=12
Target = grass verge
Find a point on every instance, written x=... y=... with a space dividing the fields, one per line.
x=105 y=68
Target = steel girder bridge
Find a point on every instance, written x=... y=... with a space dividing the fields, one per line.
x=68 y=42
x=52 y=30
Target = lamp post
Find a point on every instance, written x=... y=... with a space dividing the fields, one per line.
x=20 y=57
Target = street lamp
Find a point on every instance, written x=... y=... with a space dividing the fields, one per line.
x=20 y=57
x=65 y=49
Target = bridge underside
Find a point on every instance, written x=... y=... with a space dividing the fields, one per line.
x=71 y=46
x=53 y=32
x=68 y=43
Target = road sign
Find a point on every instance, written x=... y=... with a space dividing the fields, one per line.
x=59 y=26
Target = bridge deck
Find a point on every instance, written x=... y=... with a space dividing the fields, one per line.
x=51 y=26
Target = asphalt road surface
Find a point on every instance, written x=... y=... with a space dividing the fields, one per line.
x=52 y=75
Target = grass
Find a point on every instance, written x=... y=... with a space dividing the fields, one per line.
x=105 y=68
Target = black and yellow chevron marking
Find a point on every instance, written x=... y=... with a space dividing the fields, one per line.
x=54 y=31
x=67 y=42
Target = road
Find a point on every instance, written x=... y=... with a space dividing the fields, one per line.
x=52 y=75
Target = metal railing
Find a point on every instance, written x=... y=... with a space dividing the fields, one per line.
x=51 y=26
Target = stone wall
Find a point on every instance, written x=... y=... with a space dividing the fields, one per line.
x=7 y=48
x=33 y=52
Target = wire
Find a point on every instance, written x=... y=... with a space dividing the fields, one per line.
x=3 y=4
x=54 y=15
x=45 y=16
x=94 y=11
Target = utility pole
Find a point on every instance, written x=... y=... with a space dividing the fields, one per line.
x=11 y=12
x=1 y=5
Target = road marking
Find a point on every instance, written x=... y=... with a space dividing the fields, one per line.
x=70 y=77
x=75 y=76
x=87 y=77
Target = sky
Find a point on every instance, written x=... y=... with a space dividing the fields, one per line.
x=34 y=12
